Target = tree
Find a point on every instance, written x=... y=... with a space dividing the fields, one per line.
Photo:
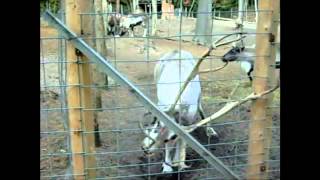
x=240 y=10
x=256 y=9
x=99 y=76
x=203 y=30
x=154 y=17
x=117 y=6
x=135 y=4
x=52 y=5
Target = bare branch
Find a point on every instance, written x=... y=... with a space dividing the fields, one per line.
x=213 y=70
x=196 y=67
x=222 y=38
x=190 y=77
x=228 y=107
x=234 y=90
x=231 y=41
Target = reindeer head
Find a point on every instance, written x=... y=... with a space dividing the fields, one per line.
x=233 y=54
x=156 y=134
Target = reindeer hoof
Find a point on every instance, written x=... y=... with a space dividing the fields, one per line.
x=166 y=168
x=183 y=166
x=211 y=132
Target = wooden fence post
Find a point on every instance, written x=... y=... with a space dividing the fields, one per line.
x=261 y=118
x=273 y=82
x=79 y=97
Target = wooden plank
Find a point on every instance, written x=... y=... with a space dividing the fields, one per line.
x=258 y=137
x=100 y=78
x=79 y=120
x=88 y=120
x=73 y=93
x=86 y=94
x=272 y=82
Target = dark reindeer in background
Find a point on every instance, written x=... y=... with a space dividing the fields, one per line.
x=246 y=57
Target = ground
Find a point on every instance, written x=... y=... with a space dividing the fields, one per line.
x=120 y=153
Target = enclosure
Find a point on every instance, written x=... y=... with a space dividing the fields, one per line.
x=75 y=87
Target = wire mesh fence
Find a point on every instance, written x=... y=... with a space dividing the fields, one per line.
x=120 y=155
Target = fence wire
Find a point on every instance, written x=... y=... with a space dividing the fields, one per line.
x=120 y=155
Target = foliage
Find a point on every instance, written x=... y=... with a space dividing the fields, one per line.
x=225 y=4
x=220 y=5
x=53 y=5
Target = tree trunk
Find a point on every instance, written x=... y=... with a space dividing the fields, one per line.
x=256 y=9
x=121 y=8
x=185 y=12
x=240 y=10
x=105 y=16
x=117 y=6
x=154 y=17
x=135 y=4
x=190 y=10
x=167 y=10
x=100 y=78
x=88 y=30
x=204 y=23
x=100 y=29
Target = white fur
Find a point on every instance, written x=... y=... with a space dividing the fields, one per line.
x=245 y=66
x=126 y=22
x=170 y=74
x=170 y=80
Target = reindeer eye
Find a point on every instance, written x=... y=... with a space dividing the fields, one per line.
x=173 y=137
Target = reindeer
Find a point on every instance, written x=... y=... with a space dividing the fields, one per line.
x=178 y=80
x=114 y=27
x=119 y=25
x=246 y=57
x=133 y=20
x=167 y=75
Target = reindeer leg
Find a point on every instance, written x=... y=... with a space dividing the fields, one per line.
x=176 y=154
x=166 y=165
x=131 y=32
x=180 y=155
x=201 y=112
x=249 y=74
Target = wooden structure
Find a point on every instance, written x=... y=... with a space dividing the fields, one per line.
x=261 y=118
x=167 y=9
x=78 y=98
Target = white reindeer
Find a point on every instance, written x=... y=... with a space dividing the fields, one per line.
x=119 y=25
x=131 y=21
x=169 y=75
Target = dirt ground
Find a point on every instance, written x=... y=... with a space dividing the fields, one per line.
x=120 y=155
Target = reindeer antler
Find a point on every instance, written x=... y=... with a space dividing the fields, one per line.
x=196 y=67
x=228 y=107
x=215 y=44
